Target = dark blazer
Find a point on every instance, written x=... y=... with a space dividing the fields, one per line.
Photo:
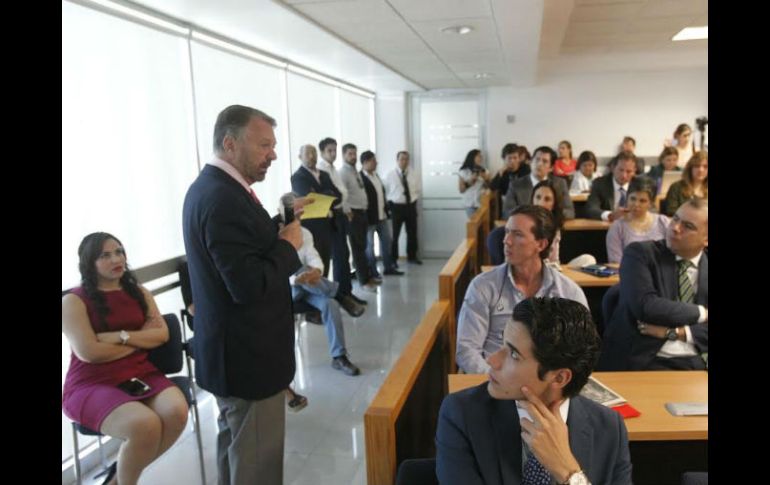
x=372 y=209
x=239 y=272
x=649 y=290
x=601 y=198
x=302 y=183
x=478 y=440
x=520 y=193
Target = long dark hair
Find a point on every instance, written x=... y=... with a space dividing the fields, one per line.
x=88 y=252
x=470 y=158
x=558 y=204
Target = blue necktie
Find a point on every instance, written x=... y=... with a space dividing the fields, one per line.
x=534 y=472
x=622 y=201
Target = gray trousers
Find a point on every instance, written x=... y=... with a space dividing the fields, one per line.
x=250 y=440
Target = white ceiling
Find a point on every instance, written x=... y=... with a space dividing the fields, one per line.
x=398 y=44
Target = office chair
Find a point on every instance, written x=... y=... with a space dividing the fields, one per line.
x=168 y=359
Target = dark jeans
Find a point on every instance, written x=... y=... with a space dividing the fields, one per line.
x=405 y=213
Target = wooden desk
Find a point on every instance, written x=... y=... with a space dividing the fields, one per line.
x=586 y=225
x=579 y=197
x=584 y=280
x=647 y=392
x=500 y=222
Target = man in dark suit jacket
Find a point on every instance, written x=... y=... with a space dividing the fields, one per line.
x=520 y=189
x=308 y=179
x=661 y=321
x=377 y=215
x=609 y=193
x=528 y=422
x=239 y=264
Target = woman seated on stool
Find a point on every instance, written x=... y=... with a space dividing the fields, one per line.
x=639 y=224
x=111 y=322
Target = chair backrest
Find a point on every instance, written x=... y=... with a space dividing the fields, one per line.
x=168 y=357
x=610 y=302
x=495 y=245
x=184 y=284
x=420 y=471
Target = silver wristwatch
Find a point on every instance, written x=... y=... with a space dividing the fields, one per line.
x=124 y=336
x=577 y=478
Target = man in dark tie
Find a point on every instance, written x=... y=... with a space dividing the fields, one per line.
x=528 y=425
x=661 y=321
x=609 y=193
x=403 y=190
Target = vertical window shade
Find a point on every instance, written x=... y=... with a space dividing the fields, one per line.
x=222 y=79
x=312 y=115
x=356 y=121
x=128 y=152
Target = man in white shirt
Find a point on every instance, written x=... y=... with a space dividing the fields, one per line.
x=340 y=254
x=309 y=285
x=403 y=190
x=661 y=322
x=377 y=216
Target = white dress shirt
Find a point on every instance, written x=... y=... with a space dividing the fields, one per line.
x=337 y=181
x=395 y=188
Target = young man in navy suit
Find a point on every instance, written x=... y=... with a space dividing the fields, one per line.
x=528 y=425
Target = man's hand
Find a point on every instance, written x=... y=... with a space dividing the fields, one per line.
x=548 y=437
x=617 y=213
x=299 y=205
x=292 y=233
x=310 y=277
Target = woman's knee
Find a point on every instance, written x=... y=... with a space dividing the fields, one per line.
x=145 y=427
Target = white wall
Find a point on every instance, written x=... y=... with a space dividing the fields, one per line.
x=390 y=114
x=595 y=111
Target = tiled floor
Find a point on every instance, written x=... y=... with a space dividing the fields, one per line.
x=325 y=441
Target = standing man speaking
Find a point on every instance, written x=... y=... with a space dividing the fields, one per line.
x=240 y=265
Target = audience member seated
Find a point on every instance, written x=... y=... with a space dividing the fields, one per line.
x=546 y=196
x=629 y=145
x=473 y=177
x=308 y=284
x=662 y=318
x=528 y=424
x=666 y=163
x=639 y=224
x=585 y=174
x=111 y=322
x=565 y=165
x=608 y=197
x=520 y=191
x=513 y=168
x=683 y=143
x=491 y=296
x=694 y=183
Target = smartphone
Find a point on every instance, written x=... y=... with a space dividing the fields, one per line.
x=688 y=408
x=134 y=387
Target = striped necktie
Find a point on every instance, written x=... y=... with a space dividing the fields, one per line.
x=686 y=293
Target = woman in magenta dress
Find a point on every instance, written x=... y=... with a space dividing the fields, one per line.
x=111 y=322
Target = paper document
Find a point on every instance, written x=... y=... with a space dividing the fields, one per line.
x=320 y=206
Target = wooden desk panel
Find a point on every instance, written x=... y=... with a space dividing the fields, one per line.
x=647 y=391
x=579 y=197
x=586 y=225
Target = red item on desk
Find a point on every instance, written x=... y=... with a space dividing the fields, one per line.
x=627 y=411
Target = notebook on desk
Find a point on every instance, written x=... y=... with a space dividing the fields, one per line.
x=669 y=177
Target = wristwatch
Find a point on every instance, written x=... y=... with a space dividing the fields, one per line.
x=124 y=336
x=577 y=478
x=671 y=334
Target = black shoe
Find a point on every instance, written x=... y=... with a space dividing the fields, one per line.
x=111 y=471
x=342 y=363
x=415 y=261
x=393 y=272
x=349 y=305
x=297 y=403
x=313 y=317
x=358 y=300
